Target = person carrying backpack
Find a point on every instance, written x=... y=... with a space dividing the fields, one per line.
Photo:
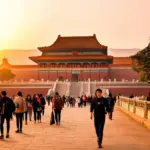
x=57 y=107
x=21 y=108
x=7 y=107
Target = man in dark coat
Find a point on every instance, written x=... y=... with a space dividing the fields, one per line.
x=111 y=102
x=43 y=102
x=99 y=107
x=7 y=108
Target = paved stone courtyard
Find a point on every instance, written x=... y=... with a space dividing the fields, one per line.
x=77 y=132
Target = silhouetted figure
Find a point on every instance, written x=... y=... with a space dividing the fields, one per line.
x=148 y=97
x=131 y=96
x=7 y=107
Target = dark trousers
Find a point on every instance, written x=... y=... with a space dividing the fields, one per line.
x=111 y=112
x=99 y=127
x=35 y=114
x=84 y=103
x=48 y=102
x=78 y=104
x=2 y=123
x=25 y=116
x=39 y=115
x=19 y=120
x=43 y=108
x=57 y=116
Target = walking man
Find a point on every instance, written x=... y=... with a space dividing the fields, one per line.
x=43 y=102
x=100 y=107
x=111 y=102
x=57 y=106
x=7 y=108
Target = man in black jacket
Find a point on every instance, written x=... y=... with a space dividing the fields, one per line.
x=7 y=108
x=100 y=107
x=43 y=102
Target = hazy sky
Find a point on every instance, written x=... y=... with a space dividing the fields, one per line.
x=27 y=24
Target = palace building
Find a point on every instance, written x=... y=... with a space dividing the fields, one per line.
x=75 y=59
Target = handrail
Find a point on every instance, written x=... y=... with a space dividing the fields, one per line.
x=139 y=107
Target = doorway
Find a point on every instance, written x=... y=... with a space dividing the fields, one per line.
x=75 y=77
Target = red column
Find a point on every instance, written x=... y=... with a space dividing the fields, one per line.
x=49 y=75
x=57 y=74
x=106 y=75
x=90 y=73
x=99 y=76
x=38 y=74
x=66 y=74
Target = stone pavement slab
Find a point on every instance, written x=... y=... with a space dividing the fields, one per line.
x=77 y=132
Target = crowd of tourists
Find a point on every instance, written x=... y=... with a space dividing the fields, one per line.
x=23 y=108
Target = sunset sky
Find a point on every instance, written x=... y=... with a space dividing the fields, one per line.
x=27 y=24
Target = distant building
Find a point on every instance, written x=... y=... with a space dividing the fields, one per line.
x=75 y=59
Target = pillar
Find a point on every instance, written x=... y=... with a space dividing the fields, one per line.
x=107 y=76
x=48 y=74
x=37 y=74
x=90 y=73
x=145 y=110
x=99 y=75
x=57 y=74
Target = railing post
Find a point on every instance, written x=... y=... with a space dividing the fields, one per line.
x=134 y=106
x=145 y=110
x=128 y=104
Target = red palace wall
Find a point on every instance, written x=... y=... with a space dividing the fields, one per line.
x=119 y=74
x=25 y=91
x=25 y=74
x=114 y=73
x=128 y=91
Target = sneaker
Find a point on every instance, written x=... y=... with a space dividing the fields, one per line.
x=2 y=137
x=17 y=131
x=7 y=135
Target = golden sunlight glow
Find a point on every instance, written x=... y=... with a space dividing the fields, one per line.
x=11 y=12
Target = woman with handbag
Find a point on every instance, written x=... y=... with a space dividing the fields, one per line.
x=20 y=104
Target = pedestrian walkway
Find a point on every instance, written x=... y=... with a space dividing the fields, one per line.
x=77 y=132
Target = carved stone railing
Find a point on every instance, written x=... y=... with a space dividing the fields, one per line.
x=140 y=108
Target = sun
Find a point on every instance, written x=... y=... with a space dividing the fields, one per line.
x=11 y=12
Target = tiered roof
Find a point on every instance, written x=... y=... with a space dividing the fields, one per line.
x=74 y=42
x=71 y=57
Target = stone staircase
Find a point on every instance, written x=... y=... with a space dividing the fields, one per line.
x=75 y=89
x=85 y=88
x=61 y=88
